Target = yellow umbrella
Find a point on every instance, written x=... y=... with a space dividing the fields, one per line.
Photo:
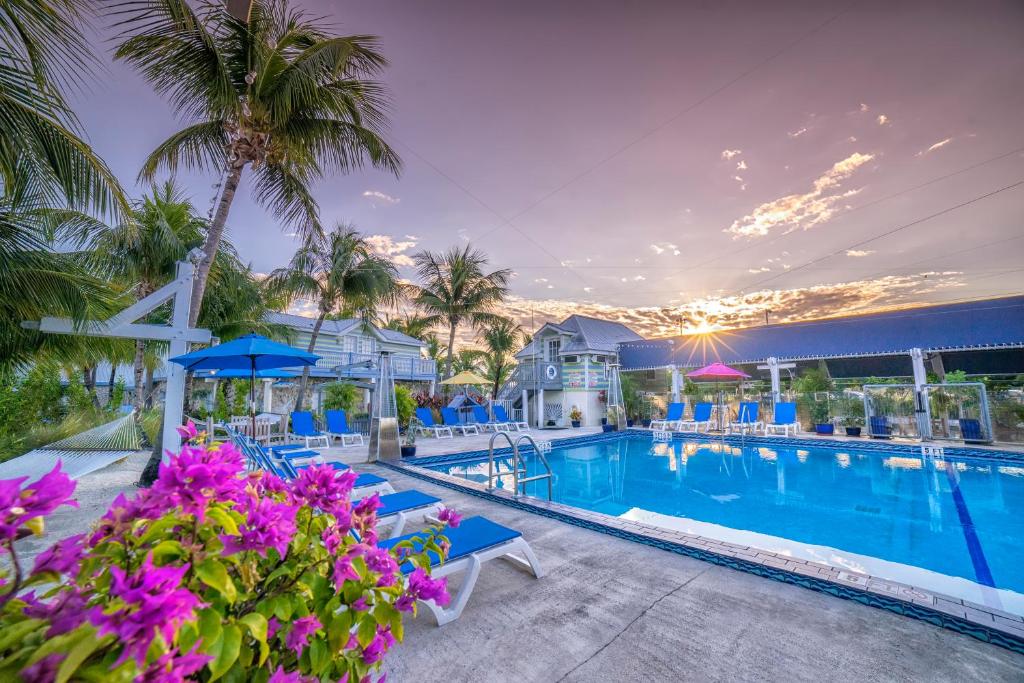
x=466 y=377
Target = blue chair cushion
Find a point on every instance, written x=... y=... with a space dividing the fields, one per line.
x=472 y=535
x=393 y=503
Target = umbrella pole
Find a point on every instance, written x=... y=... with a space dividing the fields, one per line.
x=252 y=398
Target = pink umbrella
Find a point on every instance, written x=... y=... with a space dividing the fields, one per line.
x=718 y=372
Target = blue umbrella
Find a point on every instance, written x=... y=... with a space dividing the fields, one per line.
x=251 y=353
x=246 y=374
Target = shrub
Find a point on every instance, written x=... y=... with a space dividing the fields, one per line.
x=405 y=404
x=211 y=573
x=341 y=396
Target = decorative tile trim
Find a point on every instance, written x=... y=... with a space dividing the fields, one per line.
x=978 y=621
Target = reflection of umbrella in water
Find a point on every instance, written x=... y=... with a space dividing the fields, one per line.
x=718 y=372
x=250 y=353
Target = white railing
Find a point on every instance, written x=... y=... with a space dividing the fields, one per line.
x=401 y=365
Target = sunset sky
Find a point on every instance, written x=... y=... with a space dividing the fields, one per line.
x=667 y=163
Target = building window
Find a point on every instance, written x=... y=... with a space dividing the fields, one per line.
x=552 y=347
x=350 y=344
x=572 y=359
x=365 y=345
x=650 y=374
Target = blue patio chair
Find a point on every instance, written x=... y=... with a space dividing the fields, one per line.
x=673 y=416
x=475 y=541
x=337 y=427
x=879 y=428
x=701 y=419
x=747 y=418
x=428 y=426
x=398 y=509
x=485 y=422
x=303 y=428
x=785 y=419
x=451 y=419
x=366 y=484
x=501 y=416
x=970 y=430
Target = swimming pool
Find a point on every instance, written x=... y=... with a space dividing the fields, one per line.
x=950 y=524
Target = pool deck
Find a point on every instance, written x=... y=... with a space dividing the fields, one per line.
x=612 y=609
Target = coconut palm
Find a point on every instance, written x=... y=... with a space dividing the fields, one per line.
x=456 y=291
x=278 y=94
x=411 y=324
x=500 y=338
x=339 y=273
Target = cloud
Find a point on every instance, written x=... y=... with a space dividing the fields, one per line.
x=378 y=198
x=852 y=138
x=718 y=313
x=588 y=289
x=662 y=247
x=858 y=253
x=412 y=237
x=762 y=269
x=802 y=211
x=730 y=153
x=540 y=280
x=864 y=107
x=938 y=145
x=385 y=245
x=882 y=119
x=291 y=234
x=797 y=133
x=742 y=166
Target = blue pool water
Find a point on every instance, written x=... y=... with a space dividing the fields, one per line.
x=887 y=514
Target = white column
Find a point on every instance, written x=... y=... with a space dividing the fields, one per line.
x=675 y=384
x=924 y=422
x=540 y=408
x=773 y=369
x=526 y=406
x=174 y=395
x=268 y=396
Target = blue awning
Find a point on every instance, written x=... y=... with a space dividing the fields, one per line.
x=969 y=326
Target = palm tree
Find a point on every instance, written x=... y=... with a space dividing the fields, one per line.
x=279 y=94
x=411 y=324
x=340 y=273
x=456 y=291
x=501 y=338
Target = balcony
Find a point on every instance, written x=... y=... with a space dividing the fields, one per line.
x=539 y=375
x=402 y=366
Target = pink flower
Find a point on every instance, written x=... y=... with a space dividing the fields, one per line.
x=324 y=488
x=151 y=600
x=281 y=676
x=268 y=524
x=272 y=625
x=188 y=431
x=43 y=671
x=62 y=557
x=19 y=505
x=65 y=612
x=198 y=475
x=380 y=561
x=422 y=587
x=172 y=667
x=449 y=517
x=364 y=518
x=300 y=633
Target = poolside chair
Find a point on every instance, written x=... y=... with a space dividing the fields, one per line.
x=428 y=426
x=879 y=428
x=673 y=416
x=397 y=509
x=366 y=484
x=701 y=419
x=303 y=428
x=747 y=418
x=785 y=420
x=485 y=422
x=337 y=427
x=475 y=541
x=970 y=430
x=451 y=419
x=501 y=416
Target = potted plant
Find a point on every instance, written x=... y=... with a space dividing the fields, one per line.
x=853 y=425
x=575 y=417
x=820 y=415
x=409 y=445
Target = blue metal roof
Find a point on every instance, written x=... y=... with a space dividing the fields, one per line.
x=973 y=325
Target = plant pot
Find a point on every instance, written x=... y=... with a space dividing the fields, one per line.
x=575 y=424
x=604 y=421
x=824 y=429
x=853 y=431
x=645 y=423
x=629 y=423
x=408 y=451
x=607 y=428
x=550 y=423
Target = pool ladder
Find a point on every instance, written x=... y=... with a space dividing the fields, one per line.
x=519 y=475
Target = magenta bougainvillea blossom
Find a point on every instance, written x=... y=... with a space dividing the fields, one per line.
x=213 y=572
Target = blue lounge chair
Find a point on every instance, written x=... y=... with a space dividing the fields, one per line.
x=747 y=418
x=785 y=420
x=366 y=484
x=337 y=427
x=970 y=430
x=501 y=416
x=303 y=428
x=879 y=428
x=451 y=419
x=701 y=419
x=428 y=426
x=475 y=541
x=673 y=416
x=485 y=422
x=397 y=509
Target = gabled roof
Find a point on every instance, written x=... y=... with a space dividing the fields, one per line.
x=339 y=327
x=974 y=325
x=586 y=334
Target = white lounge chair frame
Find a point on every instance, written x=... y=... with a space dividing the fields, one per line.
x=355 y=437
x=321 y=438
x=784 y=428
x=466 y=429
x=436 y=430
x=403 y=517
x=744 y=427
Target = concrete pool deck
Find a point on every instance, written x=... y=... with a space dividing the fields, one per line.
x=612 y=609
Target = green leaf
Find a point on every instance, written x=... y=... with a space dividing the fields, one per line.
x=209 y=629
x=168 y=549
x=257 y=625
x=319 y=657
x=78 y=654
x=227 y=651
x=282 y=608
x=224 y=518
x=214 y=574
x=366 y=630
x=16 y=632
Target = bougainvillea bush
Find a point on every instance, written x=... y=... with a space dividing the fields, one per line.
x=213 y=573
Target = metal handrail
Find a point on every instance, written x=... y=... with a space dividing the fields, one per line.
x=517 y=464
x=490 y=458
x=540 y=455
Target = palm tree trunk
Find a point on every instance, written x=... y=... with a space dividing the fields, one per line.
x=89 y=380
x=147 y=401
x=213 y=238
x=110 y=384
x=137 y=401
x=305 y=371
x=451 y=350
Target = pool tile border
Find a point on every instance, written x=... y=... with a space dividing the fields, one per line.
x=978 y=621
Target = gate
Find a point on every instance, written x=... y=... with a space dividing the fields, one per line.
x=892 y=410
x=959 y=411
